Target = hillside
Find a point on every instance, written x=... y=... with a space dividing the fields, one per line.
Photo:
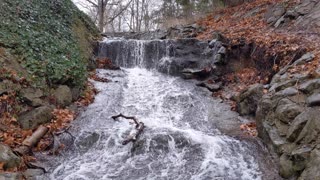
x=45 y=47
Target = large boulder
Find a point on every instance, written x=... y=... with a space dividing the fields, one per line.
x=248 y=100
x=36 y=117
x=311 y=130
x=7 y=157
x=63 y=96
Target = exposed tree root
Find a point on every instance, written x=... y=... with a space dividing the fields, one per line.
x=139 y=128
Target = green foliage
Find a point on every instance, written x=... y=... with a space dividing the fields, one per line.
x=42 y=33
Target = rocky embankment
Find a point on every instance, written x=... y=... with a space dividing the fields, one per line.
x=44 y=54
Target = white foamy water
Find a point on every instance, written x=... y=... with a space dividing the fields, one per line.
x=180 y=140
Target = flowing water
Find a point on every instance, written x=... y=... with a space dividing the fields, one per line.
x=185 y=136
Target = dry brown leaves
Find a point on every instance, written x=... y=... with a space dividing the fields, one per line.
x=233 y=25
x=249 y=129
x=88 y=95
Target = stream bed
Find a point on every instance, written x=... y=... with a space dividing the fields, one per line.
x=188 y=135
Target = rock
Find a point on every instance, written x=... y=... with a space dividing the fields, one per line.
x=299 y=122
x=63 y=96
x=32 y=96
x=290 y=91
x=286 y=166
x=222 y=50
x=300 y=157
x=8 y=86
x=314 y=100
x=287 y=111
x=305 y=7
x=11 y=176
x=7 y=157
x=304 y=59
x=32 y=173
x=274 y=13
x=212 y=43
x=76 y=92
x=248 y=100
x=310 y=131
x=279 y=22
x=310 y=86
x=211 y=87
x=291 y=14
x=312 y=168
x=36 y=117
x=282 y=85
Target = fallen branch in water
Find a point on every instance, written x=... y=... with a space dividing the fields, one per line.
x=139 y=128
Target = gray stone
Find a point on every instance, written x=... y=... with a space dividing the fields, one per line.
x=305 y=7
x=31 y=174
x=314 y=100
x=282 y=85
x=211 y=87
x=11 y=176
x=63 y=96
x=279 y=22
x=311 y=171
x=300 y=157
x=8 y=86
x=32 y=96
x=291 y=14
x=286 y=166
x=299 y=122
x=7 y=157
x=248 y=100
x=304 y=59
x=311 y=130
x=274 y=13
x=287 y=111
x=309 y=86
x=290 y=91
x=222 y=50
x=36 y=117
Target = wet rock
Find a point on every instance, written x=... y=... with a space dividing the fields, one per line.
x=32 y=96
x=36 y=117
x=299 y=122
x=310 y=131
x=63 y=96
x=287 y=111
x=286 y=166
x=310 y=86
x=312 y=168
x=7 y=157
x=31 y=174
x=248 y=100
x=87 y=141
x=210 y=86
x=11 y=176
x=314 y=100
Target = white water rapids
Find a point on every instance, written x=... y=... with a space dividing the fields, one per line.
x=181 y=140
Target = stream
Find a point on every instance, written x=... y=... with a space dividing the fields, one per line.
x=188 y=135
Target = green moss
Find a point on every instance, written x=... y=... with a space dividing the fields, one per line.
x=52 y=37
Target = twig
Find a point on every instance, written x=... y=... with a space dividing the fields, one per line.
x=126 y=117
x=139 y=128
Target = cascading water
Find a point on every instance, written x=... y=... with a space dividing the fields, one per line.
x=183 y=138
